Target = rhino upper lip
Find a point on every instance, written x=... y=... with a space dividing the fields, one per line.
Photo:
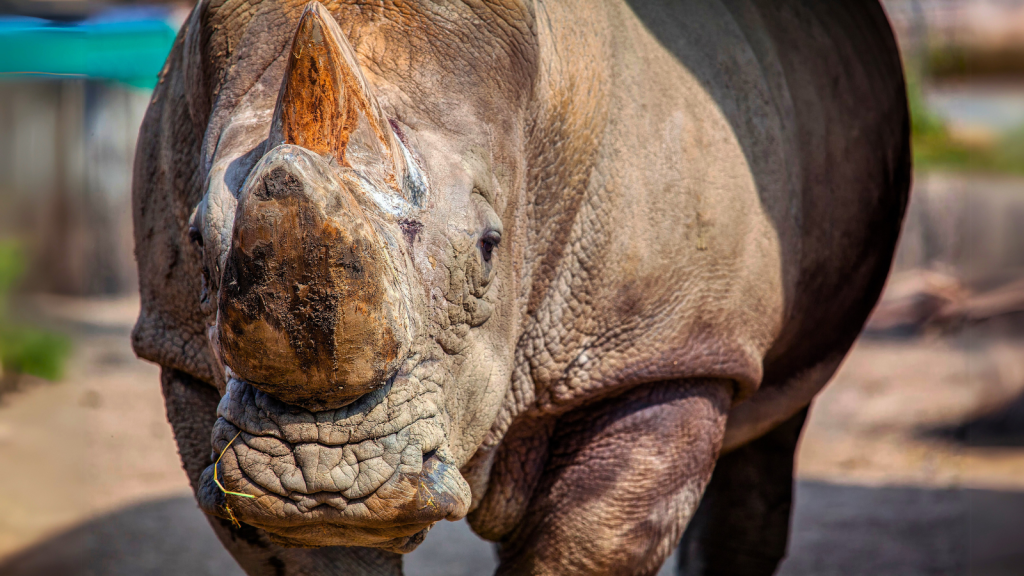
x=374 y=472
x=303 y=498
x=294 y=425
x=268 y=428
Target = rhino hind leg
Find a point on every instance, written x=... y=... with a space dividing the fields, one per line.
x=621 y=479
x=742 y=525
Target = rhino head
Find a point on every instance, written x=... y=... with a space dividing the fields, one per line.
x=352 y=280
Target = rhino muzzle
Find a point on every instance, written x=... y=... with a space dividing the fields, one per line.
x=374 y=473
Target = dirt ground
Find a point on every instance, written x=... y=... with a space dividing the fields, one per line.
x=912 y=463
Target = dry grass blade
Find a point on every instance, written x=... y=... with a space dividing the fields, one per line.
x=221 y=486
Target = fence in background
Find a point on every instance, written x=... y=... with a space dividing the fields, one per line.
x=72 y=97
x=66 y=152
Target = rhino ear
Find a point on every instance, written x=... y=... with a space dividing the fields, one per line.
x=326 y=104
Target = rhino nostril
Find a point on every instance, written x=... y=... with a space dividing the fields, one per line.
x=488 y=243
x=195 y=236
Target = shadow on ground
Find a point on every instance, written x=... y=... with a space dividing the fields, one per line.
x=156 y=538
x=837 y=530
x=1000 y=428
x=896 y=531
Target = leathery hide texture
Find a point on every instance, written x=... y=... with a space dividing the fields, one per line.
x=535 y=263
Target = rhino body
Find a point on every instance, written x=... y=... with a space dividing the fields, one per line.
x=542 y=264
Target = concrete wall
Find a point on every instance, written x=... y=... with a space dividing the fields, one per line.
x=971 y=226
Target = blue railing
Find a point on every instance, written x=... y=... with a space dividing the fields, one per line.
x=126 y=45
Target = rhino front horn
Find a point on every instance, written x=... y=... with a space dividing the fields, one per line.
x=326 y=105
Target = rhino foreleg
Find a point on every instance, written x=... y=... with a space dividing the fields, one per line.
x=621 y=480
x=192 y=410
x=742 y=524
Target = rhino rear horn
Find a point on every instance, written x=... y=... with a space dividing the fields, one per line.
x=326 y=105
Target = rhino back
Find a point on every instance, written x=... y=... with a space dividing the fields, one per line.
x=717 y=189
x=714 y=189
x=852 y=129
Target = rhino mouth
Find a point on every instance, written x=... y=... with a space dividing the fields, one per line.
x=373 y=473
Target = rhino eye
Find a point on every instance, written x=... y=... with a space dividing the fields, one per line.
x=488 y=243
x=195 y=236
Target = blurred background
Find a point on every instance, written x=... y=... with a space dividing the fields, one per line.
x=912 y=462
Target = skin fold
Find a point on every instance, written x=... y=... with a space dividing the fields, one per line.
x=540 y=264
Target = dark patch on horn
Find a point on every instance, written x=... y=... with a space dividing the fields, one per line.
x=410 y=229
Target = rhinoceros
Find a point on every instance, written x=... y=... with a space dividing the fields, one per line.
x=571 y=269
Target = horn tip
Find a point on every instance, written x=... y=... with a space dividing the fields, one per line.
x=316 y=12
x=314 y=16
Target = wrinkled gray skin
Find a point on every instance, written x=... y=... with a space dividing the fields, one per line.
x=697 y=205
